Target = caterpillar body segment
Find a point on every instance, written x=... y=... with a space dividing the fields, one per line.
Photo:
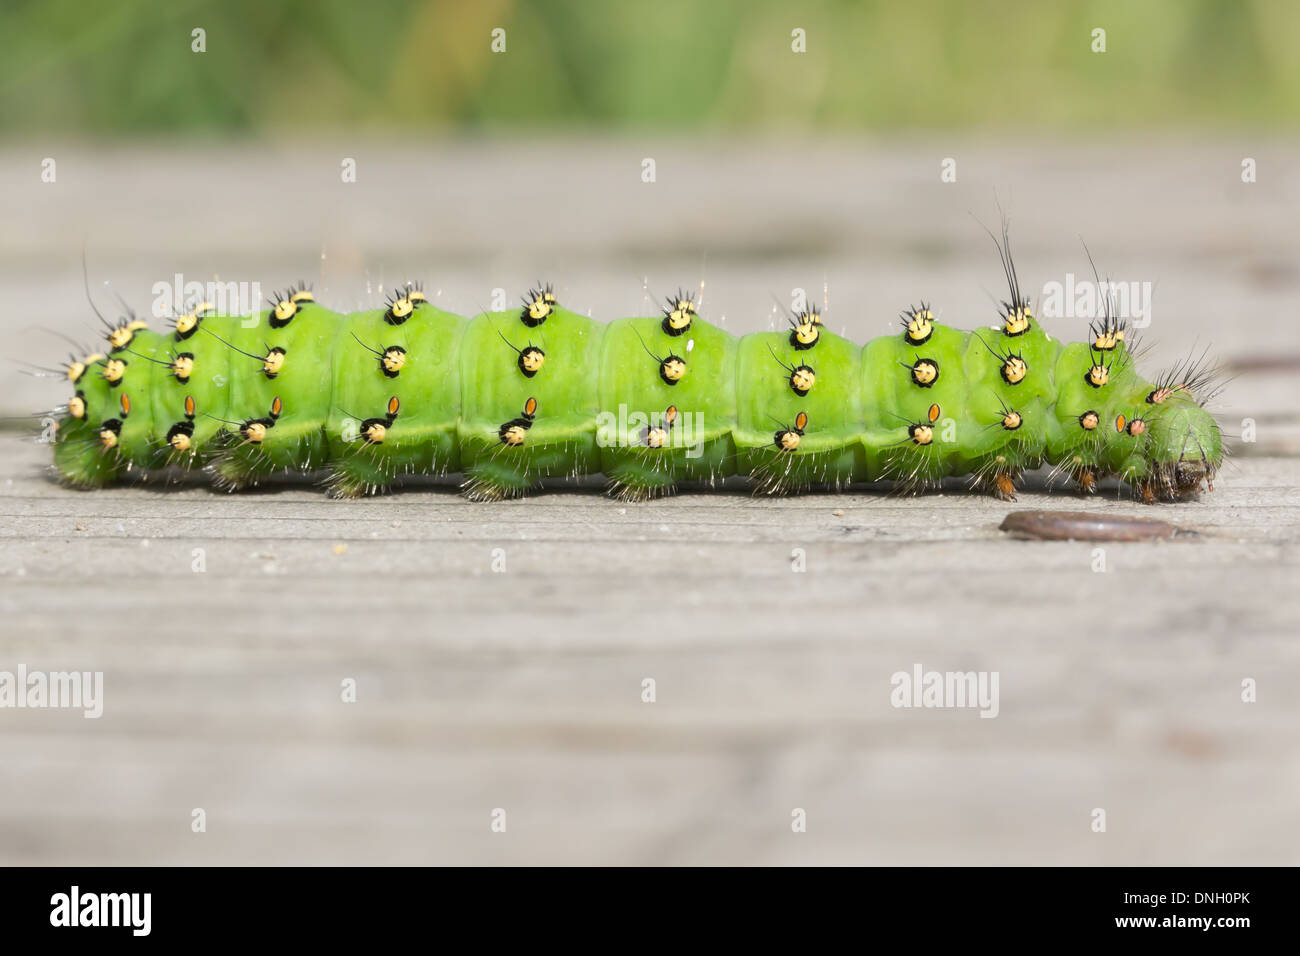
x=645 y=451
x=97 y=441
x=416 y=361
x=198 y=377
x=560 y=439
x=511 y=398
x=829 y=450
x=284 y=353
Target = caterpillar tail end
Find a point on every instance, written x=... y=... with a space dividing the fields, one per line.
x=83 y=465
x=1186 y=454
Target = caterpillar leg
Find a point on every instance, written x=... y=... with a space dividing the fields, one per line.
x=912 y=470
x=1003 y=485
x=494 y=481
x=265 y=446
x=652 y=461
x=236 y=468
x=1147 y=489
x=998 y=476
x=1084 y=474
x=792 y=464
x=370 y=464
x=780 y=473
x=1086 y=478
x=359 y=475
x=637 y=481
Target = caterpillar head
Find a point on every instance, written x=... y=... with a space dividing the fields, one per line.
x=1184 y=446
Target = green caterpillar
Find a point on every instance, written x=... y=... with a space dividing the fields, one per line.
x=511 y=398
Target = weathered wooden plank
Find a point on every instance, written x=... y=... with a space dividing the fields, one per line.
x=1118 y=689
x=522 y=689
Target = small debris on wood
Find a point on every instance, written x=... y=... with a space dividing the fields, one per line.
x=1085 y=526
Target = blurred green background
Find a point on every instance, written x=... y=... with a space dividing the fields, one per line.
x=275 y=67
